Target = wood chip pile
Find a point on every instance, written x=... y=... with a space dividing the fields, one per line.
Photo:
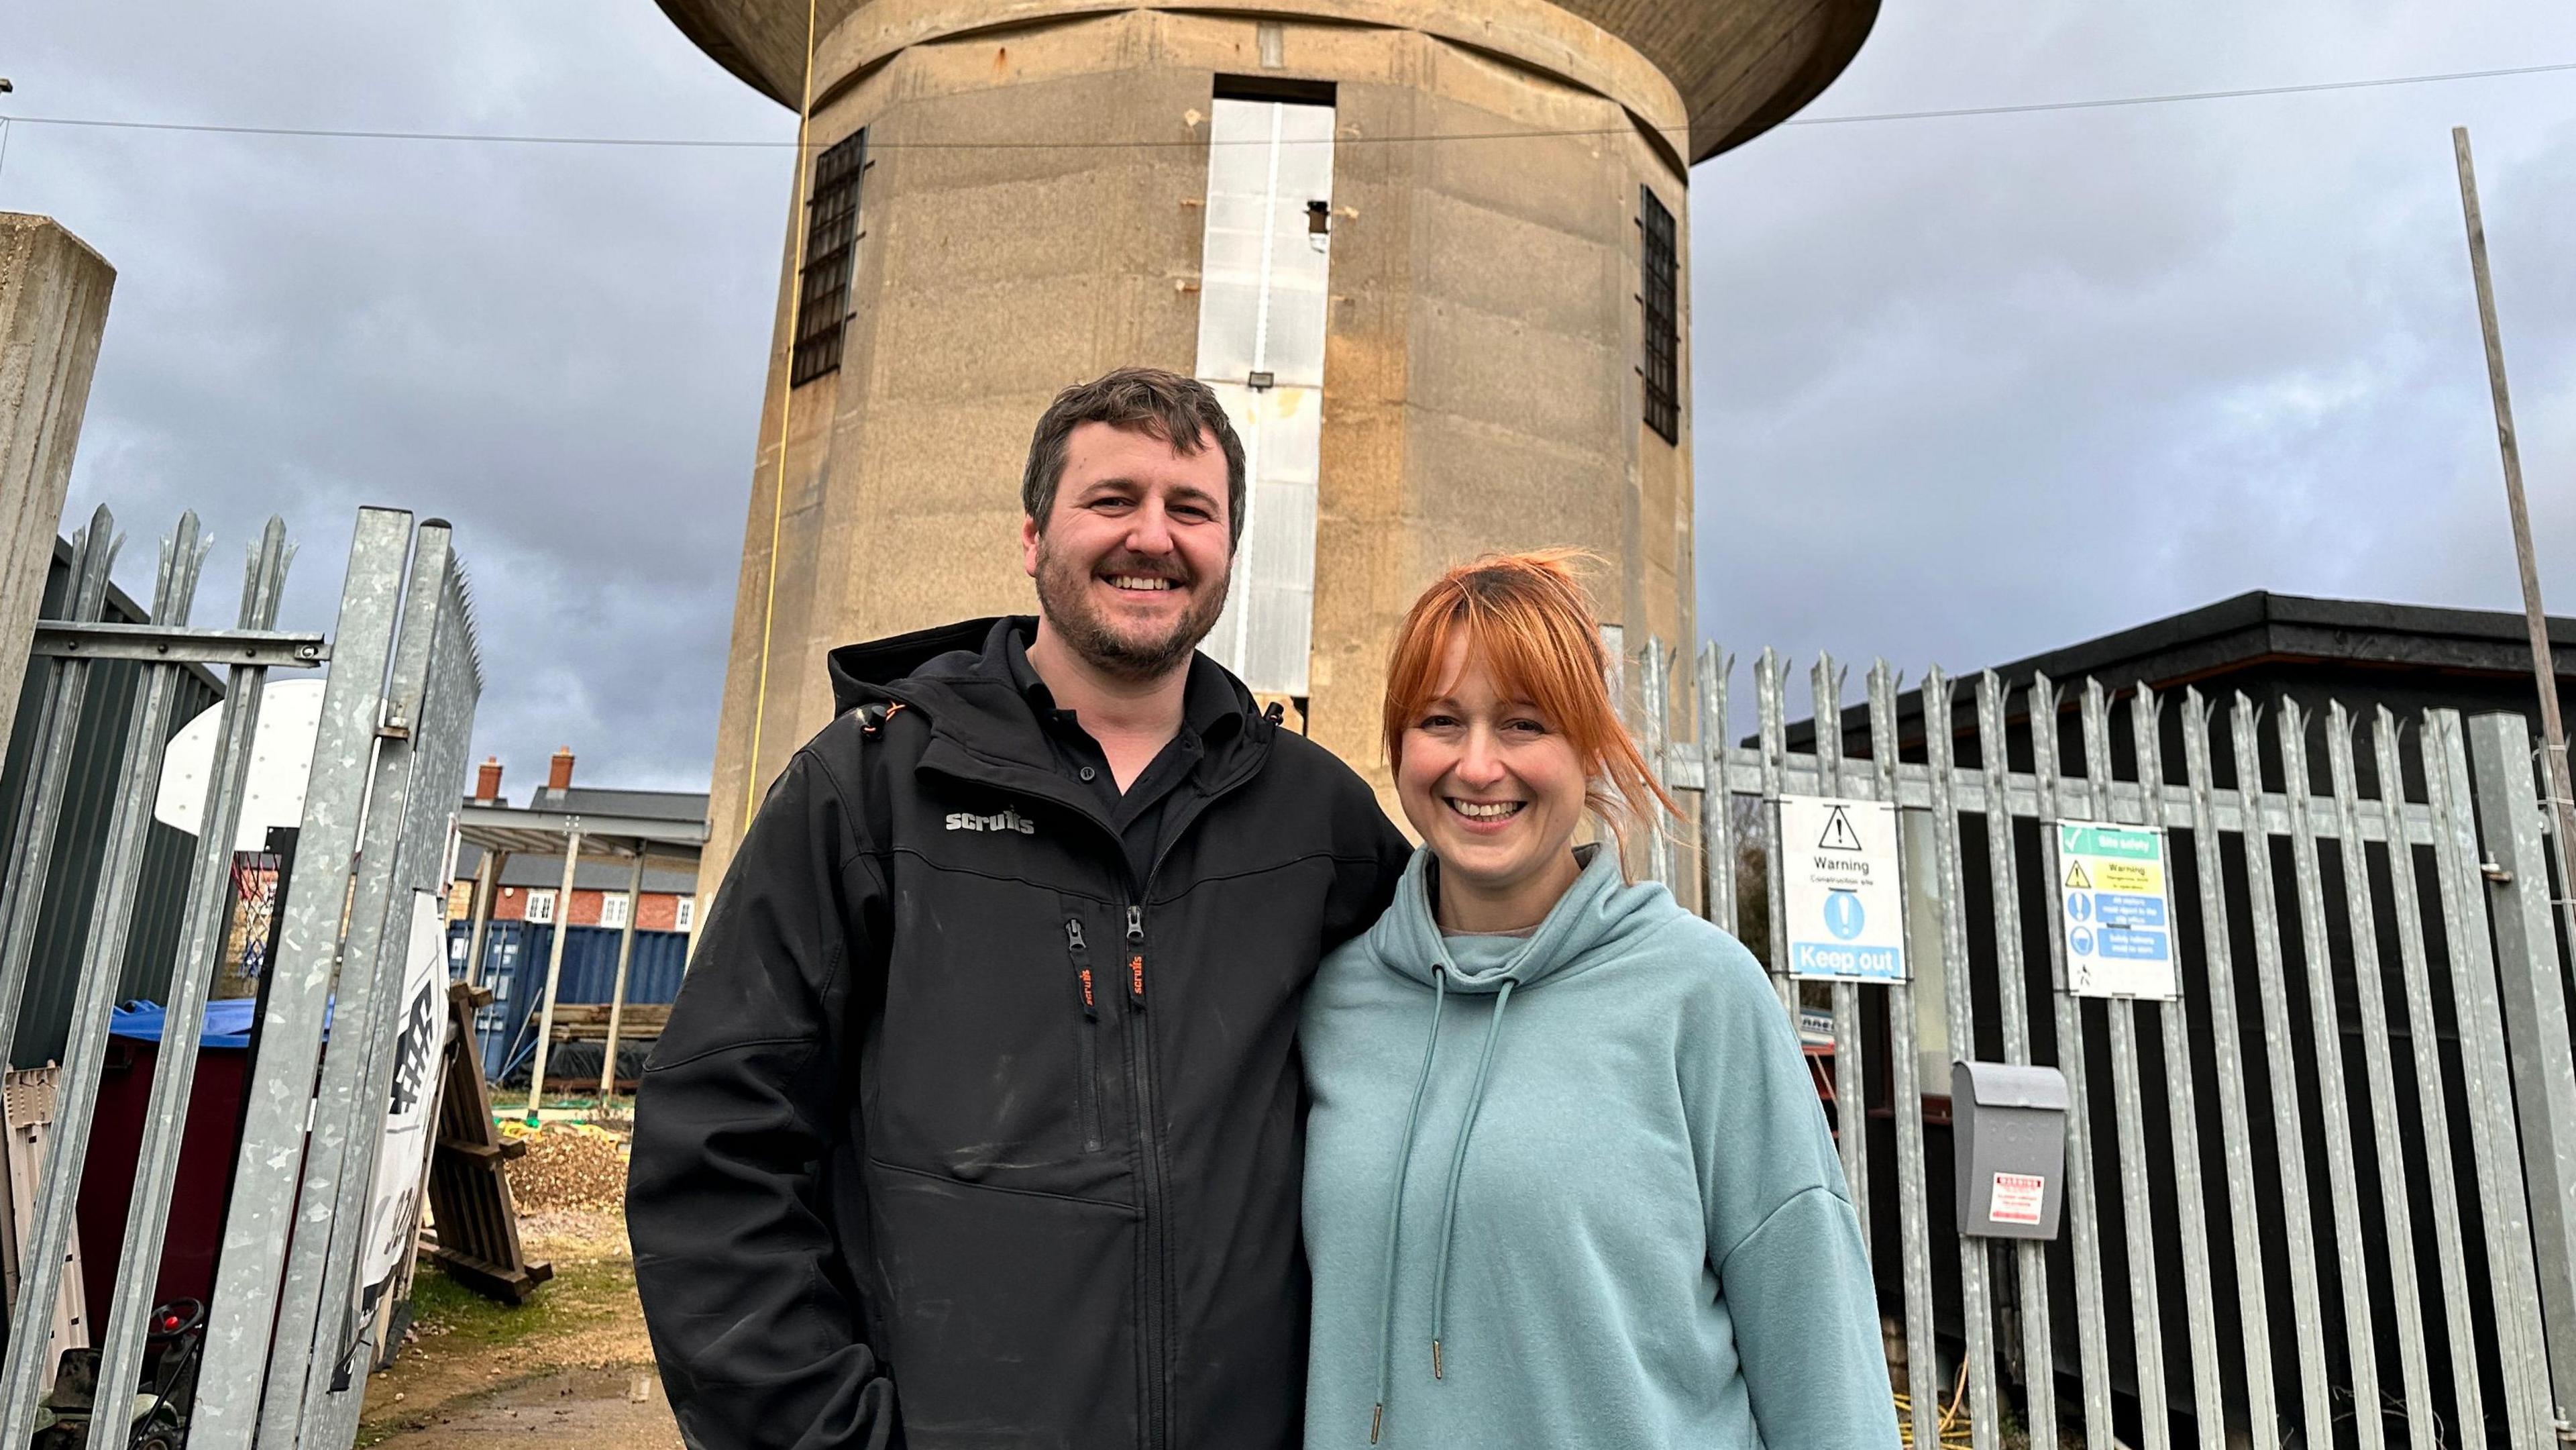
x=569 y=1165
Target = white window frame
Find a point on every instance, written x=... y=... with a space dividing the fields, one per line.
x=612 y=909
x=541 y=906
x=684 y=916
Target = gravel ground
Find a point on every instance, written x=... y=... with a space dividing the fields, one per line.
x=571 y=1368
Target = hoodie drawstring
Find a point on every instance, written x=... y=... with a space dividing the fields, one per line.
x=1395 y=1210
x=1457 y=1165
x=1449 y=1194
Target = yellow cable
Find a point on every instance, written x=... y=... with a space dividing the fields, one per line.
x=1951 y=1434
x=797 y=222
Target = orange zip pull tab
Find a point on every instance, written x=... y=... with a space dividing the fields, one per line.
x=1080 y=951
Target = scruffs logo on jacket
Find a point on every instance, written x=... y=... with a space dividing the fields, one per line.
x=1008 y=820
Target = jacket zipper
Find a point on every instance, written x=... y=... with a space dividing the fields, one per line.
x=1149 y=1145
x=1087 y=1090
x=1156 y=1271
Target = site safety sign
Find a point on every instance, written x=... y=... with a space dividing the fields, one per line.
x=2116 y=909
x=1846 y=909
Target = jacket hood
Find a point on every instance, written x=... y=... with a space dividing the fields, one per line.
x=1597 y=914
x=860 y=672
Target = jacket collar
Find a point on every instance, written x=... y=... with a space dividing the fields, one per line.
x=984 y=723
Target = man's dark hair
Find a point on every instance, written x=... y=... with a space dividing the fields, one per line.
x=1147 y=400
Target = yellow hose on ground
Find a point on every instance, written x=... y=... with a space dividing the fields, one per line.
x=1952 y=1428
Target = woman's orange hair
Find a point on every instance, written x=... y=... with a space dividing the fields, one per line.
x=1526 y=618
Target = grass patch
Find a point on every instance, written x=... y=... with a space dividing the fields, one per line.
x=452 y=1318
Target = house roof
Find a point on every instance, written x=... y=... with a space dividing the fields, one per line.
x=658 y=805
x=593 y=874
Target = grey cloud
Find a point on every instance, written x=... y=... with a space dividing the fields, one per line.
x=1962 y=389
x=1969 y=389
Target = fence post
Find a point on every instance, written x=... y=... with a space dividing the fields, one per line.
x=53 y=305
x=1656 y=714
x=111 y=919
x=2012 y=980
x=2092 y=1335
x=121 y=1339
x=249 y=1275
x=2325 y=1024
x=1716 y=802
x=2535 y=1022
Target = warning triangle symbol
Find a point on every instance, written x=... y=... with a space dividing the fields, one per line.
x=1839 y=835
x=2076 y=880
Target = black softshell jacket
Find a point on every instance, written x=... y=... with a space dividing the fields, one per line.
x=961 y=1136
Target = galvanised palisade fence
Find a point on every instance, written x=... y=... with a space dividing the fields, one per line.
x=2312 y=1201
x=287 y=1331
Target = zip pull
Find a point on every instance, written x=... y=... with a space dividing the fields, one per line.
x=1136 y=956
x=1080 y=951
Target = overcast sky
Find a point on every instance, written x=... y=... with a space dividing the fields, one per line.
x=1965 y=389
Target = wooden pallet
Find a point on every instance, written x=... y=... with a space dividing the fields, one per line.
x=469 y=1192
x=588 y=1021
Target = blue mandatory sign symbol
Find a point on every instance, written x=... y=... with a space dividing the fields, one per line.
x=2079 y=907
x=1843 y=916
x=2081 y=940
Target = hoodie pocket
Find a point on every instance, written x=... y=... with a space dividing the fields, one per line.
x=1086 y=1033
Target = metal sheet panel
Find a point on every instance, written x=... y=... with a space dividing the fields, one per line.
x=1263 y=273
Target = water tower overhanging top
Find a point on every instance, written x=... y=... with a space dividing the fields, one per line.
x=1740 y=66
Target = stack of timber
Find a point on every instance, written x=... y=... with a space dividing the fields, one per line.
x=588 y=1021
x=469 y=1193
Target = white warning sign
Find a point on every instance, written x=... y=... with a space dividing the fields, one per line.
x=1846 y=908
x=2117 y=911
x=2018 y=1198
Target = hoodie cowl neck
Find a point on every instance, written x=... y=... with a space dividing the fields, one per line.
x=1600 y=910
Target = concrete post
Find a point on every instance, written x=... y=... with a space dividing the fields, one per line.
x=53 y=305
x=617 y=996
x=2535 y=1022
x=554 y=975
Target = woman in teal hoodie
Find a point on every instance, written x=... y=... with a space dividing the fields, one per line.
x=1567 y=1183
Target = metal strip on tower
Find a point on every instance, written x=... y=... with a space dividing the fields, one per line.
x=1263 y=271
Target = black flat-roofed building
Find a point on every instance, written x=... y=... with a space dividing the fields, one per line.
x=2272 y=648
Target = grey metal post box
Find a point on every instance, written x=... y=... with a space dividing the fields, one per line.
x=2008 y=1131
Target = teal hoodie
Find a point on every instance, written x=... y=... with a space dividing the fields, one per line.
x=1574 y=1190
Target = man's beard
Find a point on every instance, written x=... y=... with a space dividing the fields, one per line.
x=1064 y=597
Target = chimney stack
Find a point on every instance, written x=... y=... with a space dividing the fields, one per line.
x=487 y=780
x=559 y=770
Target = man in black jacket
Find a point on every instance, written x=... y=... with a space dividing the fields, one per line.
x=977 y=1121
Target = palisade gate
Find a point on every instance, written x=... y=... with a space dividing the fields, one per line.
x=287 y=1336
x=2324 y=1196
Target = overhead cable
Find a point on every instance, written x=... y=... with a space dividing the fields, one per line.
x=747 y=144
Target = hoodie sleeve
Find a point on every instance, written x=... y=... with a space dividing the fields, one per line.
x=758 y=1340
x=1781 y=1232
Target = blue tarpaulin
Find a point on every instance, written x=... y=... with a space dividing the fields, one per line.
x=228 y=1021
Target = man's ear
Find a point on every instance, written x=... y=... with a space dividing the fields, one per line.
x=1029 y=546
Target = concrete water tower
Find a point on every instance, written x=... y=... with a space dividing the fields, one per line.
x=1433 y=253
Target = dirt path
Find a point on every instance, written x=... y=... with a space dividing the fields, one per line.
x=572 y=1365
